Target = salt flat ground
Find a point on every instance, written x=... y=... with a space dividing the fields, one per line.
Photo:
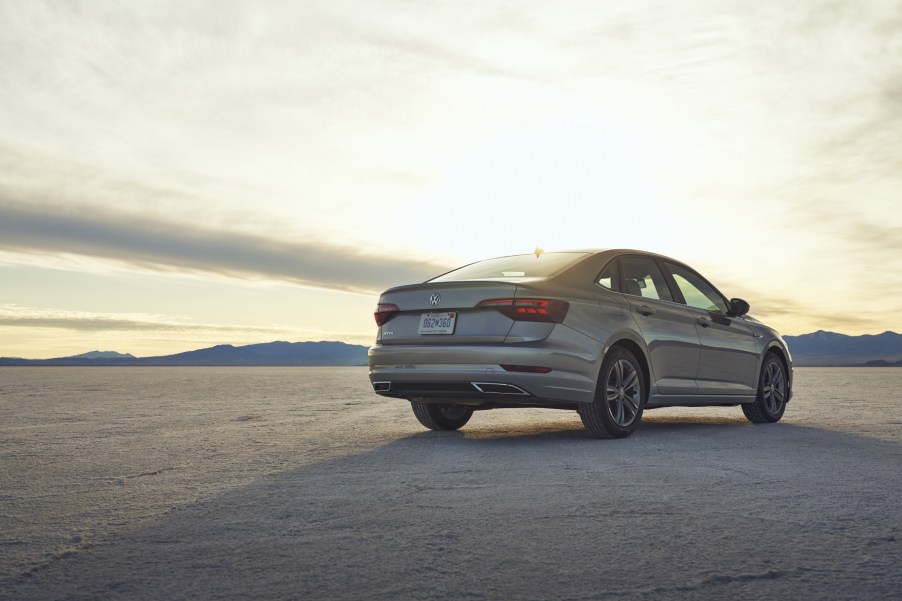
x=300 y=483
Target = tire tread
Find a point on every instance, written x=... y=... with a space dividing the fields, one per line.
x=592 y=421
x=754 y=414
x=430 y=415
x=423 y=415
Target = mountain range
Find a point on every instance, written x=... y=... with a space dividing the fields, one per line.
x=816 y=349
x=829 y=348
x=269 y=353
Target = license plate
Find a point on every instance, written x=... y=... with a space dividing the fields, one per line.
x=437 y=323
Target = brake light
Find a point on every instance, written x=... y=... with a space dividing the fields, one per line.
x=384 y=312
x=529 y=309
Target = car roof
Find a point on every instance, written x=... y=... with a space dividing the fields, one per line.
x=612 y=252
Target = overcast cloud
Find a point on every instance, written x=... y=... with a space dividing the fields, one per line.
x=83 y=321
x=169 y=245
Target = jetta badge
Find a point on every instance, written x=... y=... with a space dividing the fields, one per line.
x=435 y=299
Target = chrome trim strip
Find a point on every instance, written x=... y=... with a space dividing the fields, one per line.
x=515 y=390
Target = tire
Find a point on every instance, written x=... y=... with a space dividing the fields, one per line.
x=770 y=403
x=441 y=417
x=619 y=397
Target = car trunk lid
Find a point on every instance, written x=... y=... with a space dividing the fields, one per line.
x=447 y=301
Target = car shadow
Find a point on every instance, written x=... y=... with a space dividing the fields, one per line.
x=652 y=424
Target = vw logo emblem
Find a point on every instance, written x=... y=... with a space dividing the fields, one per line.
x=435 y=299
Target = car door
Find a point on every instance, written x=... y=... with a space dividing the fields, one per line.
x=667 y=327
x=728 y=358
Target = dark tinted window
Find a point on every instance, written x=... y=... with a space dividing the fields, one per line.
x=642 y=277
x=518 y=266
x=697 y=292
x=610 y=277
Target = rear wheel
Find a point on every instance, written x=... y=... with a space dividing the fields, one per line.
x=619 y=397
x=441 y=417
x=773 y=392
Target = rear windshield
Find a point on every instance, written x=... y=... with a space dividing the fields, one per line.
x=517 y=266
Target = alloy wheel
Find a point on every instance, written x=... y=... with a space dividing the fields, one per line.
x=623 y=393
x=774 y=387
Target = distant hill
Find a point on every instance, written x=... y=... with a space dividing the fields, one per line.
x=269 y=353
x=830 y=348
x=102 y=355
x=881 y=363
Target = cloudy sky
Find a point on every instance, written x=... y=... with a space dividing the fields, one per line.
x=180 y=174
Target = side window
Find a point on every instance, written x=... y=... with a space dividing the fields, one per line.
x=641 y=277
x=610 y=277
x=697 y=292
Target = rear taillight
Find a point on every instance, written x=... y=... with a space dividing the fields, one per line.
x=529 y=309
x=384 y=312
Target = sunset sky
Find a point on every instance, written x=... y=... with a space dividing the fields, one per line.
x=175 y=175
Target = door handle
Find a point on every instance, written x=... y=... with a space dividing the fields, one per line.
x=645 y=310
x=703 y=322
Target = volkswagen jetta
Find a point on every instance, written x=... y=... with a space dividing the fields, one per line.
x=608 y=333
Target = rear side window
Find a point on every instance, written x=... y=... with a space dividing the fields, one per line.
x=517 y=266
x=610 y=277
x=642 y=277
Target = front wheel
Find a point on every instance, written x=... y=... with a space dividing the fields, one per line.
x=773 y=392
x=619 y=397
x=441 y=417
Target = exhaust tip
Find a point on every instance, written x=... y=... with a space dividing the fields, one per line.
x=381 y=386
x=498 y=388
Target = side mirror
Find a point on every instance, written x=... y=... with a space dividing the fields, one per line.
x=738 y=307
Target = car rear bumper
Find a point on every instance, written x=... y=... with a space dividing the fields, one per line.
x=473 y=373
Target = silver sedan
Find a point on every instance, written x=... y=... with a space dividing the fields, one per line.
x=608 y=333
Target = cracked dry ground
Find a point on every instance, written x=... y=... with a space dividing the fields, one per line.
x=287 y=483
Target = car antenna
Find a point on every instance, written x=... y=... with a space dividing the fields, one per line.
x=538 y=251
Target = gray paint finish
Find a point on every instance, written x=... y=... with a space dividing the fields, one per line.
x=692 y=356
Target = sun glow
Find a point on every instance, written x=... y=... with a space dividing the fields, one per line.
x=580 y=179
